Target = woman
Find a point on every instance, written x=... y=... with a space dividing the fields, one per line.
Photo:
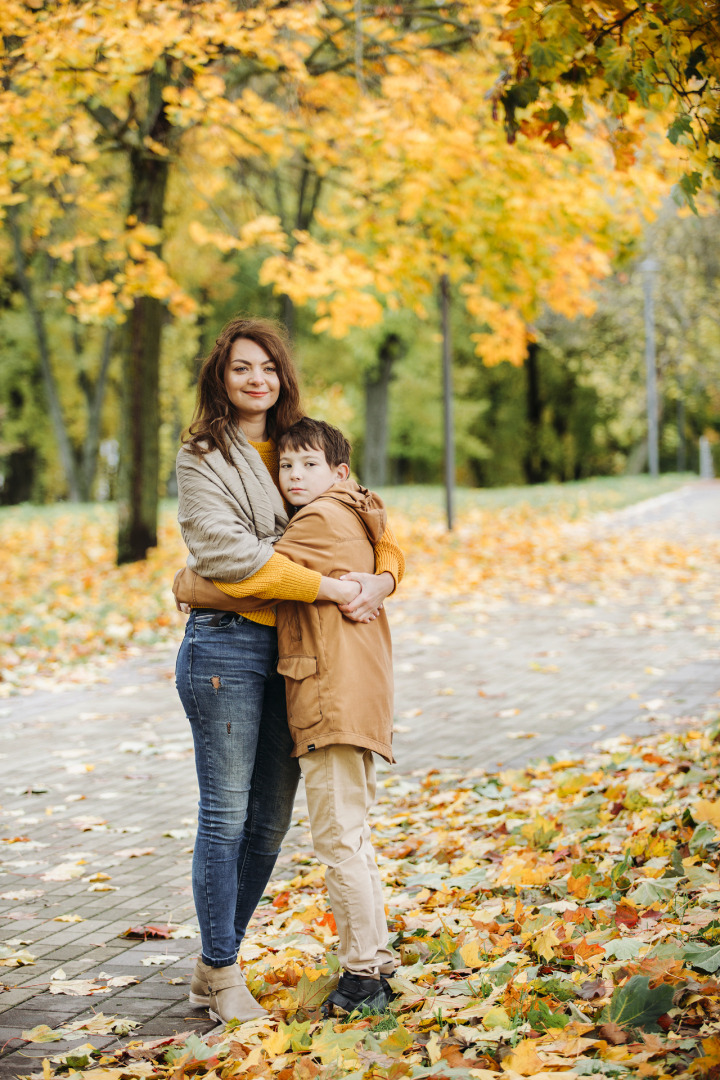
x=230 y=512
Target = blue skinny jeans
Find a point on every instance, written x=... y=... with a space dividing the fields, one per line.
x=235 y=701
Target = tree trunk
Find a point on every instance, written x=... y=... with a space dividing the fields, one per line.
x=377 y=386
x=682 y=443
x=308 y=195
x=67 y=457
x=287 y=315
x=95 y=400
x=534 y=464
x=140 y=421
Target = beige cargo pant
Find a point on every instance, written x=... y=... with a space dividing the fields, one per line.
x=340 y=789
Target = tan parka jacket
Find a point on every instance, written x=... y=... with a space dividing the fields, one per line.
x=338 y=673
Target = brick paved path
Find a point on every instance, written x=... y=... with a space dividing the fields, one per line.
x=101 y=781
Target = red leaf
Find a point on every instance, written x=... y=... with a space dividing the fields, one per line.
x=596 y=988
x=625 y=915
x=327 y=920
x=162 y=931
x=613 y=1034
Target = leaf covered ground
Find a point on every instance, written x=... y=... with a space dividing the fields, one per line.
x=69 y=612
x=558 y=918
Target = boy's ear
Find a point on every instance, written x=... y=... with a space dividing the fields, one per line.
x=343 y=471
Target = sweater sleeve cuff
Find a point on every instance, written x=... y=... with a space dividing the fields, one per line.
x=278 y=579
x=389 y=557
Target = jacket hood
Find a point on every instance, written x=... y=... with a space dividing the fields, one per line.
x=368 y=506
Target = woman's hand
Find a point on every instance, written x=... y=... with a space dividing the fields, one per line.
x=374 y=589
x=182 y=607
x=338 y=591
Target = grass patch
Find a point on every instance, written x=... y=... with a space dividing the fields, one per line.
x=575 y=499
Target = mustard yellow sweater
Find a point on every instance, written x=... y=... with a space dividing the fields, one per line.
x=281 y=579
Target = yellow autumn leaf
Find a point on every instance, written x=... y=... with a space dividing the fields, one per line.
x=706 y=810
x=474 y=953
x=310 y=914
x=278 y=1041
x=520 y=870
x=545 y=942
x=497 y=1017
x=397 y=1042
x=523 y=1059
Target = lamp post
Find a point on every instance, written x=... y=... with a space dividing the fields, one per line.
x=447 y=398
x=649 y=268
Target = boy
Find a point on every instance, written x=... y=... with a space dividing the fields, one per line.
x=338 y=677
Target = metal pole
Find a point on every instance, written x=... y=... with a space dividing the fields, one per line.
x=649 y=267
x=447 y=399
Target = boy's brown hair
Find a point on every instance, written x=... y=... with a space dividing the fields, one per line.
x=309 y=434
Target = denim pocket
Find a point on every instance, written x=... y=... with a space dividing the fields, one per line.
x=215 y=620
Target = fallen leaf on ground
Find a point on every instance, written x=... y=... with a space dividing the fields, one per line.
x=101 y=984
x=10 y=957
x=78 y=1029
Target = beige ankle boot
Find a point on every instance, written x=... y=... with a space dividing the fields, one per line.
x=230 y=998
x=199 y=990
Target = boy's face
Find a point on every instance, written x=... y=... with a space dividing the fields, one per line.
x=305 y=474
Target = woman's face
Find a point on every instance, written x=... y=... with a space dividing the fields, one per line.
x=251 y=380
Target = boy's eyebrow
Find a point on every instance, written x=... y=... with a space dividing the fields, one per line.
x=303 y=450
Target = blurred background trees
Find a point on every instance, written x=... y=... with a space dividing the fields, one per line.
x=326 y=164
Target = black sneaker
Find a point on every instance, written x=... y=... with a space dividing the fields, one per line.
x=354 y=993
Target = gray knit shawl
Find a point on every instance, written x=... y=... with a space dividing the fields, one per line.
x=230 y=515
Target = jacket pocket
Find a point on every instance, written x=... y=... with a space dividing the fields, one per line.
x=303 y=690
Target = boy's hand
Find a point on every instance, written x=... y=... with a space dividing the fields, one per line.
x=338 y=591
x=374 y=589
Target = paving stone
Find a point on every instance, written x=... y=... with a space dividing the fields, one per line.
x=68 y=952
x=135 y=1007
x=10 y=998
x=159 y=992
x=24 y=1017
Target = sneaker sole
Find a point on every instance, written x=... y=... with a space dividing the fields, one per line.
x=377 y=1004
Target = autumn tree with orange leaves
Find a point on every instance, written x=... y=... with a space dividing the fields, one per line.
x=373 y=127
x=420 y=186
x=121 y=77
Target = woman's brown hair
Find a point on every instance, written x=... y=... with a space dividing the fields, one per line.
x=214 y=414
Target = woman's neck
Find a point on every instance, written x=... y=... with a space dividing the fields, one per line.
x=254 y=430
